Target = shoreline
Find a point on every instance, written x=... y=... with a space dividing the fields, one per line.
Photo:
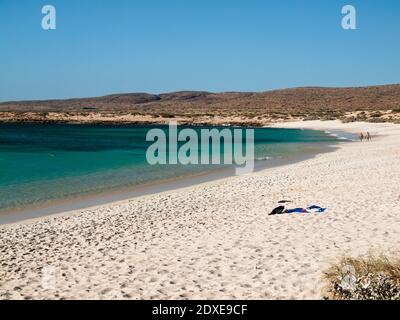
x=108 y=197
x=216 y=240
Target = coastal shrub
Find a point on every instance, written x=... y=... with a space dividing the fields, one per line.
x=371 y=278
x=348 y=119
x=329 y=118
x=377 y=120
x=375 y=114
x=311 y=117
x=167 y=115
x=361 y=117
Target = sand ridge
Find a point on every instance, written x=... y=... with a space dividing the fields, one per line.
x=216 y=240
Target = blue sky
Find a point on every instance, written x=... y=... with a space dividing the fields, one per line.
x=103 y=47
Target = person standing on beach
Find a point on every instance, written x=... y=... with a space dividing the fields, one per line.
x=369 y=137
x=361 y=136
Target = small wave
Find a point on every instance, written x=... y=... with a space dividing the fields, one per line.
x=338 y=136
x=263 y=158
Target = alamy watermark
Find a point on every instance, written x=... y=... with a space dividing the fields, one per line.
x=349 y=278
x=349 y=20
x=49 y=280
x=203 y=149
x=49 y=20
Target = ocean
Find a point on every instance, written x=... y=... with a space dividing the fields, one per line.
x=42 y=163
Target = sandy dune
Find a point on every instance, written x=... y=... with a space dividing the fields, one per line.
x=216 y=240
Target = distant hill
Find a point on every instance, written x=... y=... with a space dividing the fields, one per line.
x=371 y=103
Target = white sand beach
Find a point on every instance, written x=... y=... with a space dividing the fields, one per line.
x=216 y=240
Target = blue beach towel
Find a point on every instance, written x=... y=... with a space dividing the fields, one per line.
x=316 y=209
x=311 y=209
x=297 y=210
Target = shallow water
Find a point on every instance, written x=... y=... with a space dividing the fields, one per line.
x=45 y=162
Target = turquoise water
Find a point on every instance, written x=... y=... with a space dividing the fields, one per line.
x=45 y=162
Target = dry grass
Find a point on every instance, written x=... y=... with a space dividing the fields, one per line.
x=370 y=278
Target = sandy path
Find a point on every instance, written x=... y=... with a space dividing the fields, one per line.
x=216 y=240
